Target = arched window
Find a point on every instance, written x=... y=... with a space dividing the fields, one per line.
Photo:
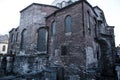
x=88 y=22
x=68 y=24
x=23 y=38
x=63 y=4
x=53 y=28
x=16 y=37
x=4 y=48
x=42 y=40
x=12 y=38
x=95 y=27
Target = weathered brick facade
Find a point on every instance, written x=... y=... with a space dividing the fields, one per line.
x=85 y=52
x=29 y=59
x=84 y=48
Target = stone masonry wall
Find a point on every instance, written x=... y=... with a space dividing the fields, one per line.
x=32 y=18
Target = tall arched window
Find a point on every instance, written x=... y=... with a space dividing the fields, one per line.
x=88 y=22
x=4 y=48
x=23 y=38
x=53 y=28
x=16 y=37
x=68 y=24
x=95 y=28
x=42 y=40
x=12 y=38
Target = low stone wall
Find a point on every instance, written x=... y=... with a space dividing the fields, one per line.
x=28 y=64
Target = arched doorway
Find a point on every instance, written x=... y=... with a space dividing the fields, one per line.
x=105 y=61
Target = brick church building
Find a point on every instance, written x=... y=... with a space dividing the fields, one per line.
x=69 y=40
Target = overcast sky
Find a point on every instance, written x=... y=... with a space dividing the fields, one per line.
x=9 y=13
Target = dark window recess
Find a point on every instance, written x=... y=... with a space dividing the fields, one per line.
x=42 y=40
x=53 y=28
x=16 y=37
x=63 y=50
x=88 y=22
x=3 y=49
x=98 y=55
x=60 y=74
x=4 y=64
x=10 y=52
x=23 y=39
x=12 y=38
